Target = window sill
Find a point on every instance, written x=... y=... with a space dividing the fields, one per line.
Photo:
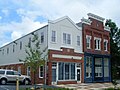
x=40 y=77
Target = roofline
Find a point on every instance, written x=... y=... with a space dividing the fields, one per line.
x=23 y=36
x=62 y=18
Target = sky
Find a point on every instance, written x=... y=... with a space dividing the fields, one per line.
x=20 y=17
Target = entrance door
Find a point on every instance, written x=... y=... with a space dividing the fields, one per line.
x=78 y=75
x=53 y=76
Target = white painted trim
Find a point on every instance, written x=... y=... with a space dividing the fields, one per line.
x=62 y=18
x=107 y=28
x=86 y=21
x=66 y=56
x=96 y=17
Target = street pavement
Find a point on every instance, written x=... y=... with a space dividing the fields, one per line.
x=88 y=86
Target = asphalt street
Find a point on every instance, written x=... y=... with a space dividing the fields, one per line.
x=13 y=86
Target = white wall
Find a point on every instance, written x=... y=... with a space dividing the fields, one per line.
x=64 y=26
x=13 y=57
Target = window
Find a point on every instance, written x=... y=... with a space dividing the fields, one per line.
x=41 y=71
x=66 y=71
x=7 y=50
x=105 y=45
x=42 y=37
x=106 y=67
x=97 y=43
x=28 y=71
x=9 y=73
x=78 y=40
x=29 y=43
x=3 y=51
x=98 y=67
x=20 y=45
x=53 y=38
x=19 y=69
x=13 y=48
x=88 y=42
x=66 y=38
x=2 y=72
x=88 y=66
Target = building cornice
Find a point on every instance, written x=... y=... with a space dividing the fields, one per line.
x=90 y=15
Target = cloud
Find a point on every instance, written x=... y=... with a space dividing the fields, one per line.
x=53 y=9
x=5 y=11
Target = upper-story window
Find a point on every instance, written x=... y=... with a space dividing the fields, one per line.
x=42 y=37
x=105 y=44
x=29 y=43
x=88 y=41
x=53 y=38
x=7 y=50
x=20 y=45
x=78 y=40
x=97 y=43
x=3 y=51
x=66 y=38
x=13 y=48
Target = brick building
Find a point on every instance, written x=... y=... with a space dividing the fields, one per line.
x=77 y=53
x=96 y=48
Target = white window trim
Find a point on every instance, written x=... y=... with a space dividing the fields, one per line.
x=77 y=40
x=90 y=41
x=40 y=71
x=105 y=40
x=96 y=38
x=66 y=39
x=28 y=71
x=43 y=37
x=55 y=37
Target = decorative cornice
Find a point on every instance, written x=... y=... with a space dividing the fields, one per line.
x=95 y=17
x=107 y=28
x=86 y=21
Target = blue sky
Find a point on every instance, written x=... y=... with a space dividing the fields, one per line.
x=19 y=17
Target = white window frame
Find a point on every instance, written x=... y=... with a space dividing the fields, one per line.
x=41 y=71
x=98 y=44
x=66 y=39
x=106 y=45
x=53 y=36
x=78 y=40
x=28 y=71
x=42 y=36
x=88 y=40
x=19 y=69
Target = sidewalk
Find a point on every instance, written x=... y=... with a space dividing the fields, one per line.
x=88 y=86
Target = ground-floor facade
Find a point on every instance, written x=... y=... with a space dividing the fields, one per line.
x=97 y=68
x=68 y=67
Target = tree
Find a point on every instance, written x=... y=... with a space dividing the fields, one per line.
x=34 y=56
x=114 y=46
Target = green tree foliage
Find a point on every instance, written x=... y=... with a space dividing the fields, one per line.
x=33 y=55
x=114 y=46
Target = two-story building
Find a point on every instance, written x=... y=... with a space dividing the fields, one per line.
x=96 y=48
x=76 y=52
x=62 y=40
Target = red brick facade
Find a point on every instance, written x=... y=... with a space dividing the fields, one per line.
x=64 y=51
x=96 y=29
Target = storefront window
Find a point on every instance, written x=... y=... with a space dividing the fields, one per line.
x=88 y=66
x=98 y=67
x=66 y=71
x=106 y=67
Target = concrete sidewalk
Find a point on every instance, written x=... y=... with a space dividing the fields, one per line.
x=88 y=86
